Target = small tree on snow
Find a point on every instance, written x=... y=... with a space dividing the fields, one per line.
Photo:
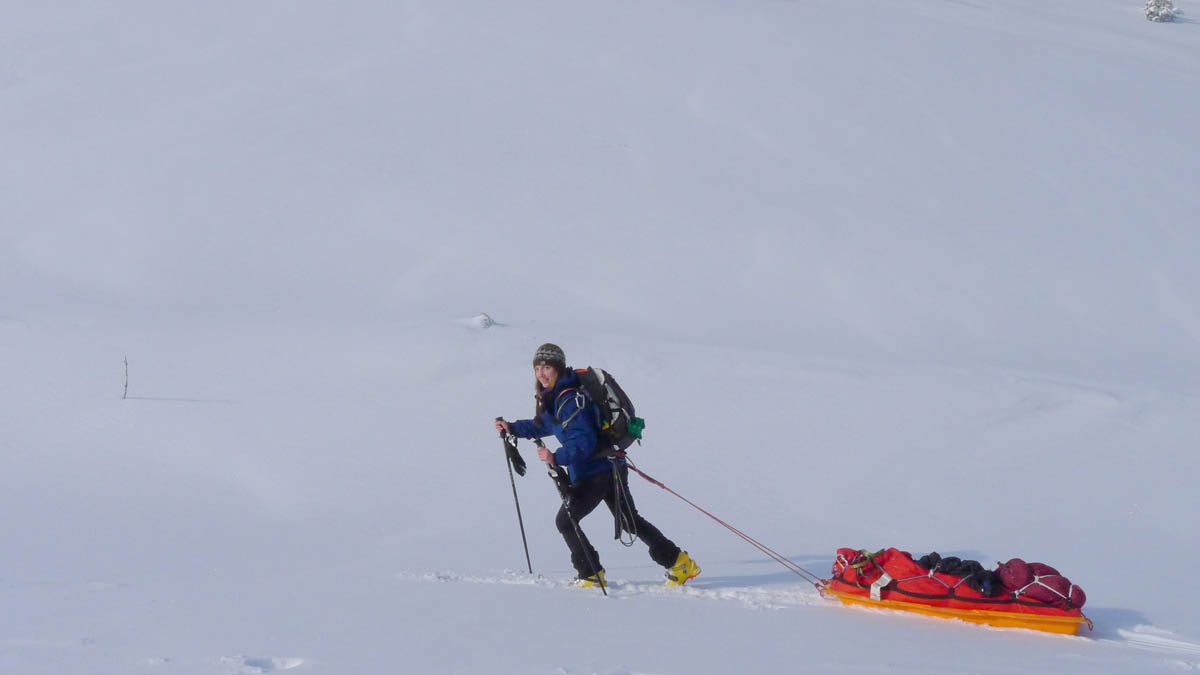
x=1161 y=10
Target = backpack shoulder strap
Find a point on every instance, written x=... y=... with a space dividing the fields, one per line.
x=580 y=399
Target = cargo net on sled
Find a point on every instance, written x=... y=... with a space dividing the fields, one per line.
x=1015 y=586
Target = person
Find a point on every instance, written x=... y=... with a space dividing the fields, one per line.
x=566 y=413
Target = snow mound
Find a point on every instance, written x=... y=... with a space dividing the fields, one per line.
x=480 y=321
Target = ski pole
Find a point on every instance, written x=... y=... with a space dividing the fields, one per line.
x=559 y=479
x=511 y=457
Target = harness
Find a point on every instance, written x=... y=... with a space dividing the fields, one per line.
x=623 y=515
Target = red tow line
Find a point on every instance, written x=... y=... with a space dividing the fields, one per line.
x=808 y=576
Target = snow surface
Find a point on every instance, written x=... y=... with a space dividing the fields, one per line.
x=913 y=273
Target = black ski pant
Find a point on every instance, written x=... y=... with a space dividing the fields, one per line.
x=584 y=496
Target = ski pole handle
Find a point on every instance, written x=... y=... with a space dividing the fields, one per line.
x=550 y=463
x=510 y=450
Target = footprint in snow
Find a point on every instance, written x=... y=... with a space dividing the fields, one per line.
x=258 y=665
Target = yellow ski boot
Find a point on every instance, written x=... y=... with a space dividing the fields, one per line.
x=590 y=581
x=684 y=569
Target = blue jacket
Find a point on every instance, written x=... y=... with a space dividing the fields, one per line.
x=573 y=419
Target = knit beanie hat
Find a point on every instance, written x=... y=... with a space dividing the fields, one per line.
x=550 y=355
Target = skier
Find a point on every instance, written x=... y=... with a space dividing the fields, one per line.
x=563 y=410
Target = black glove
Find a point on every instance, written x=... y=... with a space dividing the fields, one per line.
x=510 y=449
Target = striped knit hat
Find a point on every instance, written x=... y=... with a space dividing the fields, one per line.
x=550 y=355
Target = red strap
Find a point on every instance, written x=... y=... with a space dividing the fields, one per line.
x=777 y=557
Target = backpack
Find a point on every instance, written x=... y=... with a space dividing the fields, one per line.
x=619 y=427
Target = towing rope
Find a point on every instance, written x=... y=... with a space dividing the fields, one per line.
x=777 y=557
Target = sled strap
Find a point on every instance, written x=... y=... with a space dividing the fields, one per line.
x=1037 y=581
x=880 y=583
x=868 y=558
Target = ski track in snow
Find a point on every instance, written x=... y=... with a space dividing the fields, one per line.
x=1143 y=637
x=259 y=665
x=749 y=596
x=1156 y=639
x=567 y=671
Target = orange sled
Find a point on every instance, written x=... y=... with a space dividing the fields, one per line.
x=1068 y=625
x=891 y=580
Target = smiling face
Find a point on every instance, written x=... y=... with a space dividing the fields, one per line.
x=546 y=375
